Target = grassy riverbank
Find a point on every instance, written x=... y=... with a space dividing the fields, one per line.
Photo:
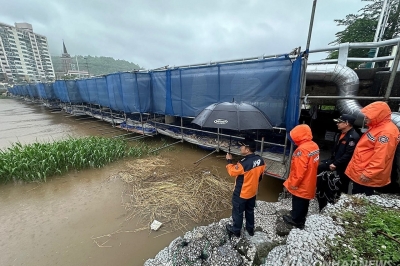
x=372 y=234
x=37 y=161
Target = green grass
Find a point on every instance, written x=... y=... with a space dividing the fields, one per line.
x=373 y=236
x=37 y=161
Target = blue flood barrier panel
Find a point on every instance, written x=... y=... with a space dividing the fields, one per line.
x=264 y=84
x=73 y=91
x=293 y=100
x=34 y=90
x=272 y=85
x=46 y=91
x=194 y=89
x=115 y=92
x=92 y=90
x=41 y=91
x=130 y=99
x=29 y=90
x=83 y=90
x=49 y=88
x=102 y=91
x=158 y=92
x=136 y=92
x=61 y=92
x=143 y=85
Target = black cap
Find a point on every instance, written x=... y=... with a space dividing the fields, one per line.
x=248 y=142
x=345 y=118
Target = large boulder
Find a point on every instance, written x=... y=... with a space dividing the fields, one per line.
x=255 y=248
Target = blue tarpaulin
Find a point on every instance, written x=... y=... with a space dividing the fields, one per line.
x=61 y=91
x=272 y=85
x=186 y=92
x=102 y=90
x=67 y=91
x=135 y=91
x=46 y=91
x=83 y=90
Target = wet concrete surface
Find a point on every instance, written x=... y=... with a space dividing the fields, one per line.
x=54 y=223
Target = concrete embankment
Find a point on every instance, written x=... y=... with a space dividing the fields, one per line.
x=274 y=242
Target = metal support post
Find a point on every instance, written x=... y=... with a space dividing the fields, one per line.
x=393 y=74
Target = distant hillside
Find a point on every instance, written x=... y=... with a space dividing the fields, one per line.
x=97 y=65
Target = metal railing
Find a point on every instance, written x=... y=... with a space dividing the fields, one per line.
x=344 y=48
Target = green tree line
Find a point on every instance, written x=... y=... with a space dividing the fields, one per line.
x=95 y=65
x=361 y=27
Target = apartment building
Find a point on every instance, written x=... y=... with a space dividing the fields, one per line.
x=24 y=55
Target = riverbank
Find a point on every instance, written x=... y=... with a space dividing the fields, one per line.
x=276 y=243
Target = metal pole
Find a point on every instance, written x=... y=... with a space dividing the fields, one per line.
x=304 y=68
x=284 y=149
x=141 y=121
x=87 y=66
x=262 y=146
x=77 y=65
x=218 y=139
x=179 y=141
x=378 y=31
x=181 y=127
x=205 y=156
x=393 y=74
x=374 y=98
x=311 y=25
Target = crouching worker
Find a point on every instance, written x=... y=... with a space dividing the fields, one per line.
x=248 y=173
x=302 y=180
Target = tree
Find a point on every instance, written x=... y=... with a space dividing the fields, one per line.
x=361 y=27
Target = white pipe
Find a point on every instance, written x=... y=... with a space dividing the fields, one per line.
x=347 y=83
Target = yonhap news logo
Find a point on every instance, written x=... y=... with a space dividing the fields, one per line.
x=356 y=263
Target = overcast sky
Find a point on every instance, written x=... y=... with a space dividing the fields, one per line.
x=155 y=33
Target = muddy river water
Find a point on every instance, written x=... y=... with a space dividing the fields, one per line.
x=54 y=223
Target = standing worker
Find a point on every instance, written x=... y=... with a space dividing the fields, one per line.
x=372 y=161
x=302 y=180
x=342 y=151
x=248 y=173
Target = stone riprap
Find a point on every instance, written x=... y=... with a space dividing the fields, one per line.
x=274 y=242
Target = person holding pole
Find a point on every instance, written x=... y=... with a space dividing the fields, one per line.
x=248 y=173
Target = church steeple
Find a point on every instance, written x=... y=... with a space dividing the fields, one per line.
x=65 y=52
x=65 y=48
x=65 y=59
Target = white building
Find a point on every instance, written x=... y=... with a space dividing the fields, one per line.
x=24 y=55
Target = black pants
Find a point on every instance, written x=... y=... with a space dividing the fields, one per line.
x=239 y=206
x=344 y=179
x=361 y=189
x=299 y=209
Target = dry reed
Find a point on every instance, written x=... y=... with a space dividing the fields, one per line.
x=174 y=197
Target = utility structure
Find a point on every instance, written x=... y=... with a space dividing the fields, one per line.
x=380 y=30
x=87 y=65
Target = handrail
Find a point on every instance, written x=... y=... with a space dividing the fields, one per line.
x=343 y=49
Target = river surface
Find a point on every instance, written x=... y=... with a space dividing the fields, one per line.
x=54 y=223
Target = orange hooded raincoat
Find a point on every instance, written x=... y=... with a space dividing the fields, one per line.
x=374 y=153
x=302 y=180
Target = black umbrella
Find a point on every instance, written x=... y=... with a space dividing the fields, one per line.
x=234 y=116
x=231 y=115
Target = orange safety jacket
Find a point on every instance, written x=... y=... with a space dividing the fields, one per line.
x=248 y=173
x=302 y=180
x=374 y=153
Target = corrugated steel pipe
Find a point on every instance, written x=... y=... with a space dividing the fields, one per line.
x=347 y=83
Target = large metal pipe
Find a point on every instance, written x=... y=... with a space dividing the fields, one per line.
x=347 y=83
